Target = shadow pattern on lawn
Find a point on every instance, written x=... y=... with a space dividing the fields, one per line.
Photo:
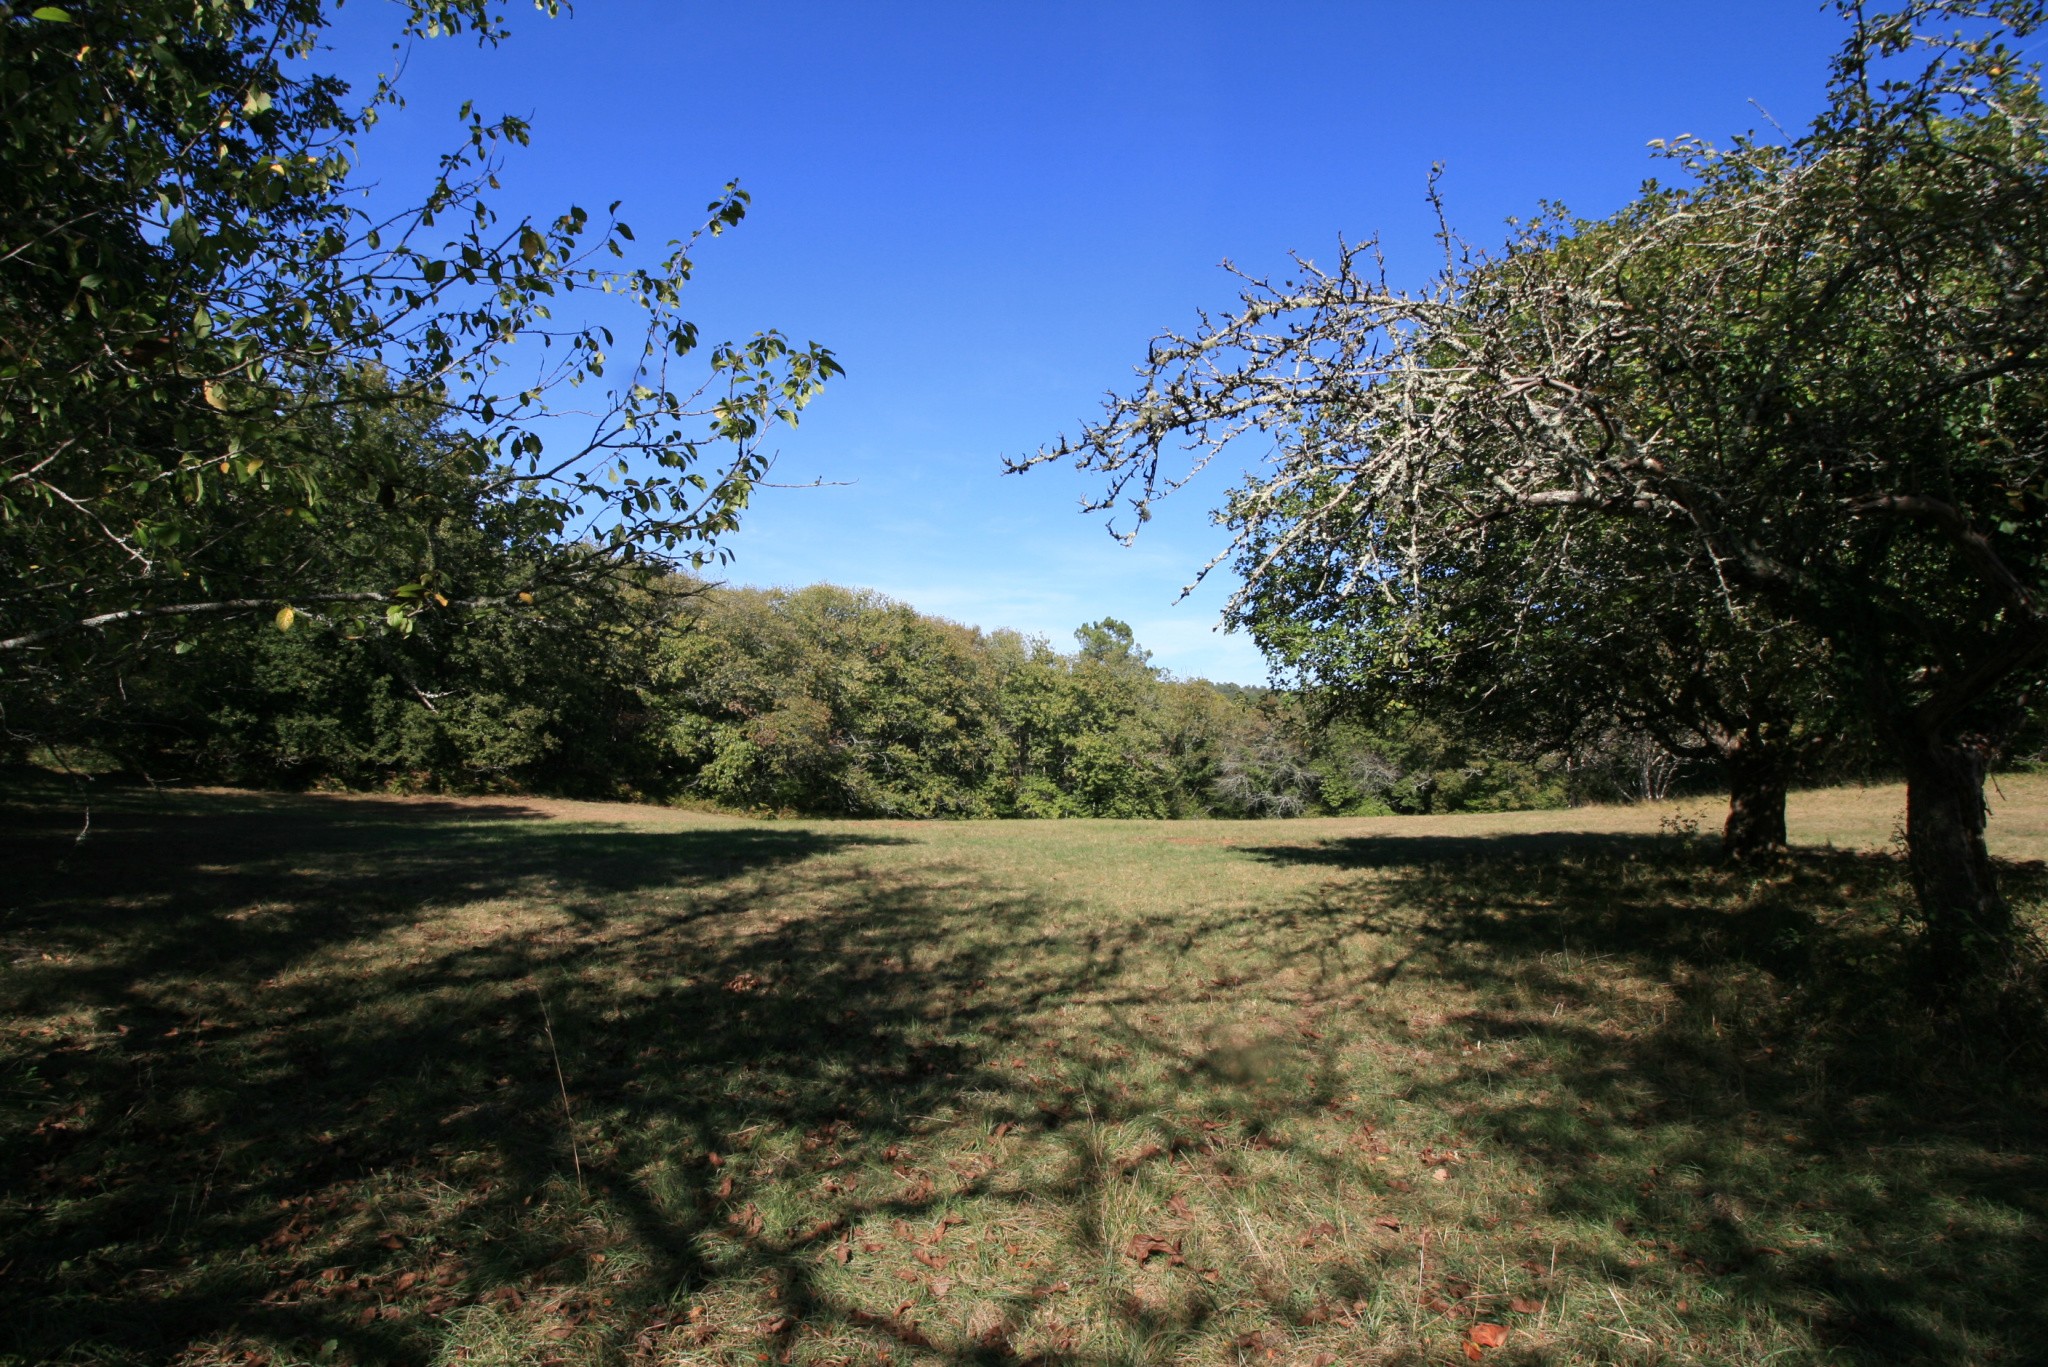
x=1787 y=1119
x=218 y=1095
x=153 y=1179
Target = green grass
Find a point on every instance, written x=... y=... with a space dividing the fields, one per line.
x=276 y=1085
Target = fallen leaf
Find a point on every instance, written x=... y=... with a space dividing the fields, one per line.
x=999 y=1131
x=1683 y=1307
x=1522 y=1305
x=1321 y=1230
x=932 y=1261
x=1472 y=1350
x=714 y=1160
x=1487 y=1335
x=1440 y=1175
x=843 y=1251
x=1145 y=1246
x=941 y=1285
x=1141 y=1155
x=1388 y=1222
x=1179 y=1206
x=725 y=1188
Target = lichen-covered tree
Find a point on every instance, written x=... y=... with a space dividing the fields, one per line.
x=1818 y=368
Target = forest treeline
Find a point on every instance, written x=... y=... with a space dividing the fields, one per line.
x=821 y=701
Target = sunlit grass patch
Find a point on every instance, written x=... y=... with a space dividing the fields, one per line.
x=281 y=1085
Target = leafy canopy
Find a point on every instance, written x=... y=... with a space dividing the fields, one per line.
x=194 y=302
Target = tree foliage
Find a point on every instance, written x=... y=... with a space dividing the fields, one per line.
x=822 y=701
x=1807 y=377
x=201 y=319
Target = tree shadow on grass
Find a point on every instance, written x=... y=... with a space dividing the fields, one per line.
x=1731 y=1078
x=295 y=1077
x=288 y=1077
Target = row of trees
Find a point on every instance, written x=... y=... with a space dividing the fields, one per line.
x=1759 y=462
x=823 y=701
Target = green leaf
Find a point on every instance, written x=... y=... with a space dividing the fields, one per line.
x=50 y=14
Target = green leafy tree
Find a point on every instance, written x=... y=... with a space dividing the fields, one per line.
x=460 y=693
x=194 y=304
x=1088 y=729
x=829 y=701
x=1815 y=368
x=1561 y=635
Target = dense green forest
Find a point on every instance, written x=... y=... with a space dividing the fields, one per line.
x=823 y=700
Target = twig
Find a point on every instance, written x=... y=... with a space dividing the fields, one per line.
x=78 y=782
x=575 y=1154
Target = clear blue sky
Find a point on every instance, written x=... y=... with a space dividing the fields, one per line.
x=988 y=209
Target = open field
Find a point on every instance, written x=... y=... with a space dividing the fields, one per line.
x=360 y=1080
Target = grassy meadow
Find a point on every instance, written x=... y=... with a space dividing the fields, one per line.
x=427 y=1081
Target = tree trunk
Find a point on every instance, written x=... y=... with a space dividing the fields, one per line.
x=1969 y=926
x=1756 y=803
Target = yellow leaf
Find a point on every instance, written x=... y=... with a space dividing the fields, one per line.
x=526 y=598
x=285 y=618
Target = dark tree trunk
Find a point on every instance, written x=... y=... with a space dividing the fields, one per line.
x=1756 y=801
x=1969 y=926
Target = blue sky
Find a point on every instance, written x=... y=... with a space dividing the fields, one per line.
x=988 y=209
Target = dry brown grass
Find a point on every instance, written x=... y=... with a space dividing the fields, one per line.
x=277 y=1090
